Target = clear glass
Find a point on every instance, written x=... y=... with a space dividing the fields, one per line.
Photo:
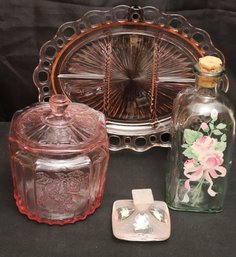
x=129 y=63
x=59 y=156
x=203 y=135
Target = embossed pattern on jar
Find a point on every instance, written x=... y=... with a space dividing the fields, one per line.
x=59 y=158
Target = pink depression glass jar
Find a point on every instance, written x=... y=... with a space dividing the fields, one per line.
x=59 y=155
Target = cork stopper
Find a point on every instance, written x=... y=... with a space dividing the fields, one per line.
x=211 y=66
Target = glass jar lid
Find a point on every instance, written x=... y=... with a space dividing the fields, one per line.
x=59 y=124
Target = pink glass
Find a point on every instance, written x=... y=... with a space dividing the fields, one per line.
x=127 y=62
x=141 y=219
x=59 y=156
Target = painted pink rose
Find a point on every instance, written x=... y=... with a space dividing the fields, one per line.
x=212 y=161
x=190 y=165
x=204 y=126
x=204 y=145
x=212 y=165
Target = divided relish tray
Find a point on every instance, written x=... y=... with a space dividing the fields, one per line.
x=129 y=63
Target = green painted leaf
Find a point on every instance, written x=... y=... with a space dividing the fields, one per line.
x=213 y=119
x=221 y=126
x=220 y=146
x=190 y=154
x=185 y=145
x=223 y=138
x=211 y=126
x=190 y=136
x=206 y=130
x=217 y=132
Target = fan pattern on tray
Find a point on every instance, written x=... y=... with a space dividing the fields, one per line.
x=134 y=62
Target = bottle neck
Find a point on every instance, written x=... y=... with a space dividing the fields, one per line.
x=207 y=86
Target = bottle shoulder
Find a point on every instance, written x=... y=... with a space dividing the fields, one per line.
x=198 y=104
x=199 y=111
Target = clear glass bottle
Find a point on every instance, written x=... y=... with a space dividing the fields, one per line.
x=59 y=155
x=203 y=136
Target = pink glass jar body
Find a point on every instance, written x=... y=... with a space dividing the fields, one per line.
x=61 y=181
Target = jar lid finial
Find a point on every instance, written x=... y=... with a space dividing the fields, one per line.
x=58 y=104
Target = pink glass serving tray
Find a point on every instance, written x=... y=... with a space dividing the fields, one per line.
x=129 y=63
